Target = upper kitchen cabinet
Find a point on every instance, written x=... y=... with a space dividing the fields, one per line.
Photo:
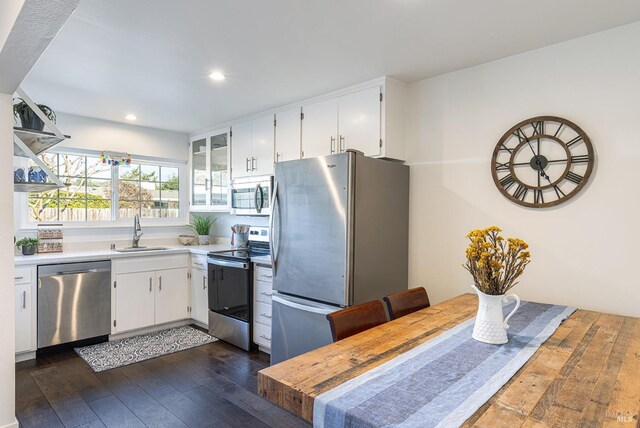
x=252 y=147
x=287 y=142
x=359 y=122
x=369 y=118
x=320 y=128
x=210 y=171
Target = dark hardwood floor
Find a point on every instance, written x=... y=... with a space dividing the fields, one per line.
x=214 y=385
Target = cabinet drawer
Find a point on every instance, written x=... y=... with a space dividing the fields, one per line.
x=199 y=261
x=263 y=292
x=22 y=275
x=264 y=273
x=262 y=313
x=262 y=335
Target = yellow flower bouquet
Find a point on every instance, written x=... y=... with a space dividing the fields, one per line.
x=494 y=262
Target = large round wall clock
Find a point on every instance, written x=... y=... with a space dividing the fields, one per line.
x=542 y=161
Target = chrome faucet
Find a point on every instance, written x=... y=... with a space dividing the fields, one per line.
x=136 y=229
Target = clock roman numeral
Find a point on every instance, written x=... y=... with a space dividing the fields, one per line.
x=538 y=127
x=538 y=197
x=521 y=135
x=507 y=181
x=574 y=141
x=558 y=191
x=558 y=130
x=521 y=192
x=505 y=148
x=573 y=177
x=502 y=166
x=580 y=159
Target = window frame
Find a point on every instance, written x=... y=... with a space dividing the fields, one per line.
x=116 y=221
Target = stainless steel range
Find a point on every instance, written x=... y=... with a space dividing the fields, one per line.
x=231 y=290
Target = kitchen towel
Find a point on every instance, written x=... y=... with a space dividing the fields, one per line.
x=442 y=382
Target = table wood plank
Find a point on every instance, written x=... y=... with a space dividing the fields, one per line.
x=586 y=374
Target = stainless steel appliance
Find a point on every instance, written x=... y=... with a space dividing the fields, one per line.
x=231 y=290
x=74 y=302
x=339 y=231
x=251 y=195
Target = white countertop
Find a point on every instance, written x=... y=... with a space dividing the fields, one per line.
x=77 y=256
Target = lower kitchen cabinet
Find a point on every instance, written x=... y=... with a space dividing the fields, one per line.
x=149 y=291
x=24 y=324
x=172 y=299
x=26 y=307
x=200 y=296
x=134 y=302
x=262 y=290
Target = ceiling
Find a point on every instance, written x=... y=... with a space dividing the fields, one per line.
x=152 y=57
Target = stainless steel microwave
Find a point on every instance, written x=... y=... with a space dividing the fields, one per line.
x=251 y=195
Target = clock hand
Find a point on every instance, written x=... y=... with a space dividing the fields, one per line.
x=542 y=173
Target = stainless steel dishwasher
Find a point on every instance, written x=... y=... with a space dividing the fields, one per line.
x=74 y=302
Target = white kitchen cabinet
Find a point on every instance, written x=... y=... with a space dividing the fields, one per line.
x=241 y=150
x=134 y=301
x=252 y=147
x=370 y=119
x=262 y=304
x=24 y=323
x=209 y=160
x=172 y=299
x=359 y=122
x=149 y=291
x=287 y=140
x=26 y=302
x=200 y=296
x=320 y=128
x=262 y=145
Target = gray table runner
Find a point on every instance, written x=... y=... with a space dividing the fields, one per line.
x=442 y=382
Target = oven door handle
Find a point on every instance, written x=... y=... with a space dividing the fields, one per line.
x=229 y=263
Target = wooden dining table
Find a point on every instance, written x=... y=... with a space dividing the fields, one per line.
x=586 y=374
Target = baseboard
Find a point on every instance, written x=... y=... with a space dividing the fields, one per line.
x=25 y=356
x=150 y=329
x=13 y=424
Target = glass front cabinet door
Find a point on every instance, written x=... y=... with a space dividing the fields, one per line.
x=210 y=172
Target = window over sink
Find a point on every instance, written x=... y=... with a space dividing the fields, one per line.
x=99 y=192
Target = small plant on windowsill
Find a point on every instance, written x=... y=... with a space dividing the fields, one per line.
x=202 y=225
x=29 y=246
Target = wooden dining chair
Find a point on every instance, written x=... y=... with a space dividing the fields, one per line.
x=356 y=319
x=403 y=303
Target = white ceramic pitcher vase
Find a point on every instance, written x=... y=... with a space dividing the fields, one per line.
x=491 y=325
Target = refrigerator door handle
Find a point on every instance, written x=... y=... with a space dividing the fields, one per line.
x=272 y=249
x=306 y=308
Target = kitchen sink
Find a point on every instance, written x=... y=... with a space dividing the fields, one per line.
x=134 y=250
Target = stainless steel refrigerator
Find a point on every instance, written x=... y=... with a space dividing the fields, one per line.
x=339 y=237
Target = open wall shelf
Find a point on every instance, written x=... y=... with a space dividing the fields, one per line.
x=36 y=141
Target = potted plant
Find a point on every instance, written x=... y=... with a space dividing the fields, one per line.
x=202 y=225
x=28 y=118
x=494 y=263
x=29 y=246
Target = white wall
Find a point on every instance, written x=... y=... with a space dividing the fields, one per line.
x=584 y=251
x=97 y=134
x=7 y=293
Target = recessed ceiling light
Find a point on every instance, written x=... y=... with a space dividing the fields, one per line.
x=217 y=75
x=130 y=117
